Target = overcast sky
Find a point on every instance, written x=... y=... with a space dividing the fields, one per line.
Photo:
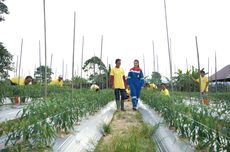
x=128 y=27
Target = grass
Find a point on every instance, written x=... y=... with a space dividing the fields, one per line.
x=128 y=134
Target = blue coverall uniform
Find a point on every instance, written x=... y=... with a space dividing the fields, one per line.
x=136 y=82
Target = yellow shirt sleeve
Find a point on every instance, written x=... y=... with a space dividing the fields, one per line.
x=112 y=72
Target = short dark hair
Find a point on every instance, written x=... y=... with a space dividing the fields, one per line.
x=27 y=77
x=117 y=60
x=202 y=71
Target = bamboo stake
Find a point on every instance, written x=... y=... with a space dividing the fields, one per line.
x=215 y=72
x=157 y=65
x=169 y=52
x=44 y=11
x=198 y=61
x=20 y=61
x=73 y=52
x=101 y=58
x=107 y=81
x=16 y=69
x=144 y=63
x=63 y=68
x=154 y=62
x=82 y=56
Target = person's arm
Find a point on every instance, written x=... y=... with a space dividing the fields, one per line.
x=124 y=81
x=112 y=81
x=194 y=80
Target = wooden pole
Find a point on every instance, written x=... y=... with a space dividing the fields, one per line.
x=63 y=68
x=20 y=61
x=169 y=51
x=187 y=64
x=107 y=79
x=154 y=61
x=198 y=61
x=144 y=63
x=16 y=69
x=74 y=26
x=101 y=60
x=82 y=56
x=157 y=65
x=215 y=73
x=44 y=11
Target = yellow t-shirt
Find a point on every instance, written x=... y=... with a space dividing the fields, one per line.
x=20 y=81
x=165 y=92
x=118 y=74
x=152 y=86
x=203 y=81
x=56 y=82
x=94 y=87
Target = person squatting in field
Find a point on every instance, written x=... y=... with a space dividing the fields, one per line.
x=135 y=82
x=21 y=82
x=117 y=76
x=164 y=90
x=57 y=82
x=203 y=82
x=95 y=87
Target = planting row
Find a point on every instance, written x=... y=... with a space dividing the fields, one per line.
x=41 y=121
x=30 y=91
x=201 y=125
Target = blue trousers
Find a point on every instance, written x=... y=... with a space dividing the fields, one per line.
x=135 y=93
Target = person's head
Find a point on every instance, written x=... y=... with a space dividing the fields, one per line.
x=118 y=62
x=136 y=63
x=163 y=86
x=60 y=78
x=202 y=73
x=28 y=79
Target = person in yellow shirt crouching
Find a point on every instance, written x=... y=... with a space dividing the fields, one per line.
x=151 y=86
x=57 y=82
x=164 y=90
x=21 y=82
x=95 y=87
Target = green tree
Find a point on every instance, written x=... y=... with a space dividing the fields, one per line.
x=96 y=70
x=5 y=62
x=39 y=74
x=155 y=78
x=3 y=10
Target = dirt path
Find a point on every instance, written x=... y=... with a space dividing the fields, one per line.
x=128 y=132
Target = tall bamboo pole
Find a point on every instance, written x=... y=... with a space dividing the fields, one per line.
x=154 y=61
x=74 y=26
x=44 y=11
x=198 y=61
x=157 y=65
x=82 y=56
x=101 y=59
x=144 y=63
x=63 y=68
x=169 y=52
x=16 y=69
x=20 y=61
x=215 y=73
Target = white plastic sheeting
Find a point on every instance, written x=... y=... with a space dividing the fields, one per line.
x=88 y=133
x=8 y=112
x=166 y=140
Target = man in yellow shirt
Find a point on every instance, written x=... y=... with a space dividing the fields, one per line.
x=57 y=82
x=203 y=86
x=151 y=86
x=95 y=87
x=164 y=90
x=117 y=76
x=20 y=81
